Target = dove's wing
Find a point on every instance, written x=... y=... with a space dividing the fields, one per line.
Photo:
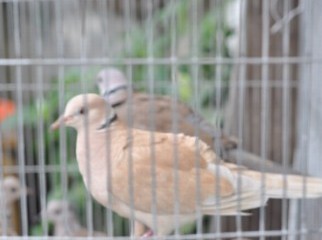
x=172 y=181
x=162 y=116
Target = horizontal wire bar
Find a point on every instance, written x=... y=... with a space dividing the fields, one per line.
x=38 y=169
x=268 y=233
x=156 y=61
x=48 y=86
x=11 y=1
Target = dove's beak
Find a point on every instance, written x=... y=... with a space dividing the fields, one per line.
x=60 y=121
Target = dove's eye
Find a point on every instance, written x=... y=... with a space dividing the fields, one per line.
x=82 y=110
x=13 y=190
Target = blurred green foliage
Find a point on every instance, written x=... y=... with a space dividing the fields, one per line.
x=209 y=40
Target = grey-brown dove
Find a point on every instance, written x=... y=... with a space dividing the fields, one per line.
x=113 y=86
x=10 y=191
x=66 y=223
x=109 y=153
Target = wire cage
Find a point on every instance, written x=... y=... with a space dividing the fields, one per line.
x=249 y=68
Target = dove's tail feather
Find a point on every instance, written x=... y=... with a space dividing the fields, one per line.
x=251 y=192
x=247 y=195
x=289 y=186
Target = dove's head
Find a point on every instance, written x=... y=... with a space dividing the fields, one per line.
x=87 y=110
x=112 y=85
x=12 y=189
x=59 y=210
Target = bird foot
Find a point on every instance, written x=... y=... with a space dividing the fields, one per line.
x=147 y=234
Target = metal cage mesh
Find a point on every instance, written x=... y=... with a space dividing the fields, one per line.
x=249 y=67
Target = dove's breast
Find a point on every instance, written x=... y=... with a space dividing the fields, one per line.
x=96 y=157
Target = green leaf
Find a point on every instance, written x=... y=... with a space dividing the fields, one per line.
x=185 y=88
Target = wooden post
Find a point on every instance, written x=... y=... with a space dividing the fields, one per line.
x=252 y=109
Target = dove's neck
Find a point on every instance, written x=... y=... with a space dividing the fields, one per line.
x=117 y=96
x=111 y=119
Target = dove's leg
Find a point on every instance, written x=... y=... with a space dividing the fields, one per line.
x=147 y=234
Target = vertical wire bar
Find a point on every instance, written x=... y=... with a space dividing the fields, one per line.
x=308 y=52
x=23 y=15
x=19 y=96
x=264 y=107
x=109 y=217
x=218 y=88
x=128 y=49
x=112 y=4
x=3 y=210
x=4 y=213
x=286 y=114
x=131 y=178
x=27 y=10
x=83 y=7
x=104 y=16
x=195 y=73
x=242 y=53
x=40 y=98
x=297 y=223
x=108 y=212
x=152 y=115
x=59 y=11
x=218 y=16
x=98 y=215
x=174 y=109
x=48 y=18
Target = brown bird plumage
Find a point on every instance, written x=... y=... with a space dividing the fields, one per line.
x=108 y=153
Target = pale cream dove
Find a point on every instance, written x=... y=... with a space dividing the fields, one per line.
x=197 y=181
x=66 y=223
x=10 y=191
